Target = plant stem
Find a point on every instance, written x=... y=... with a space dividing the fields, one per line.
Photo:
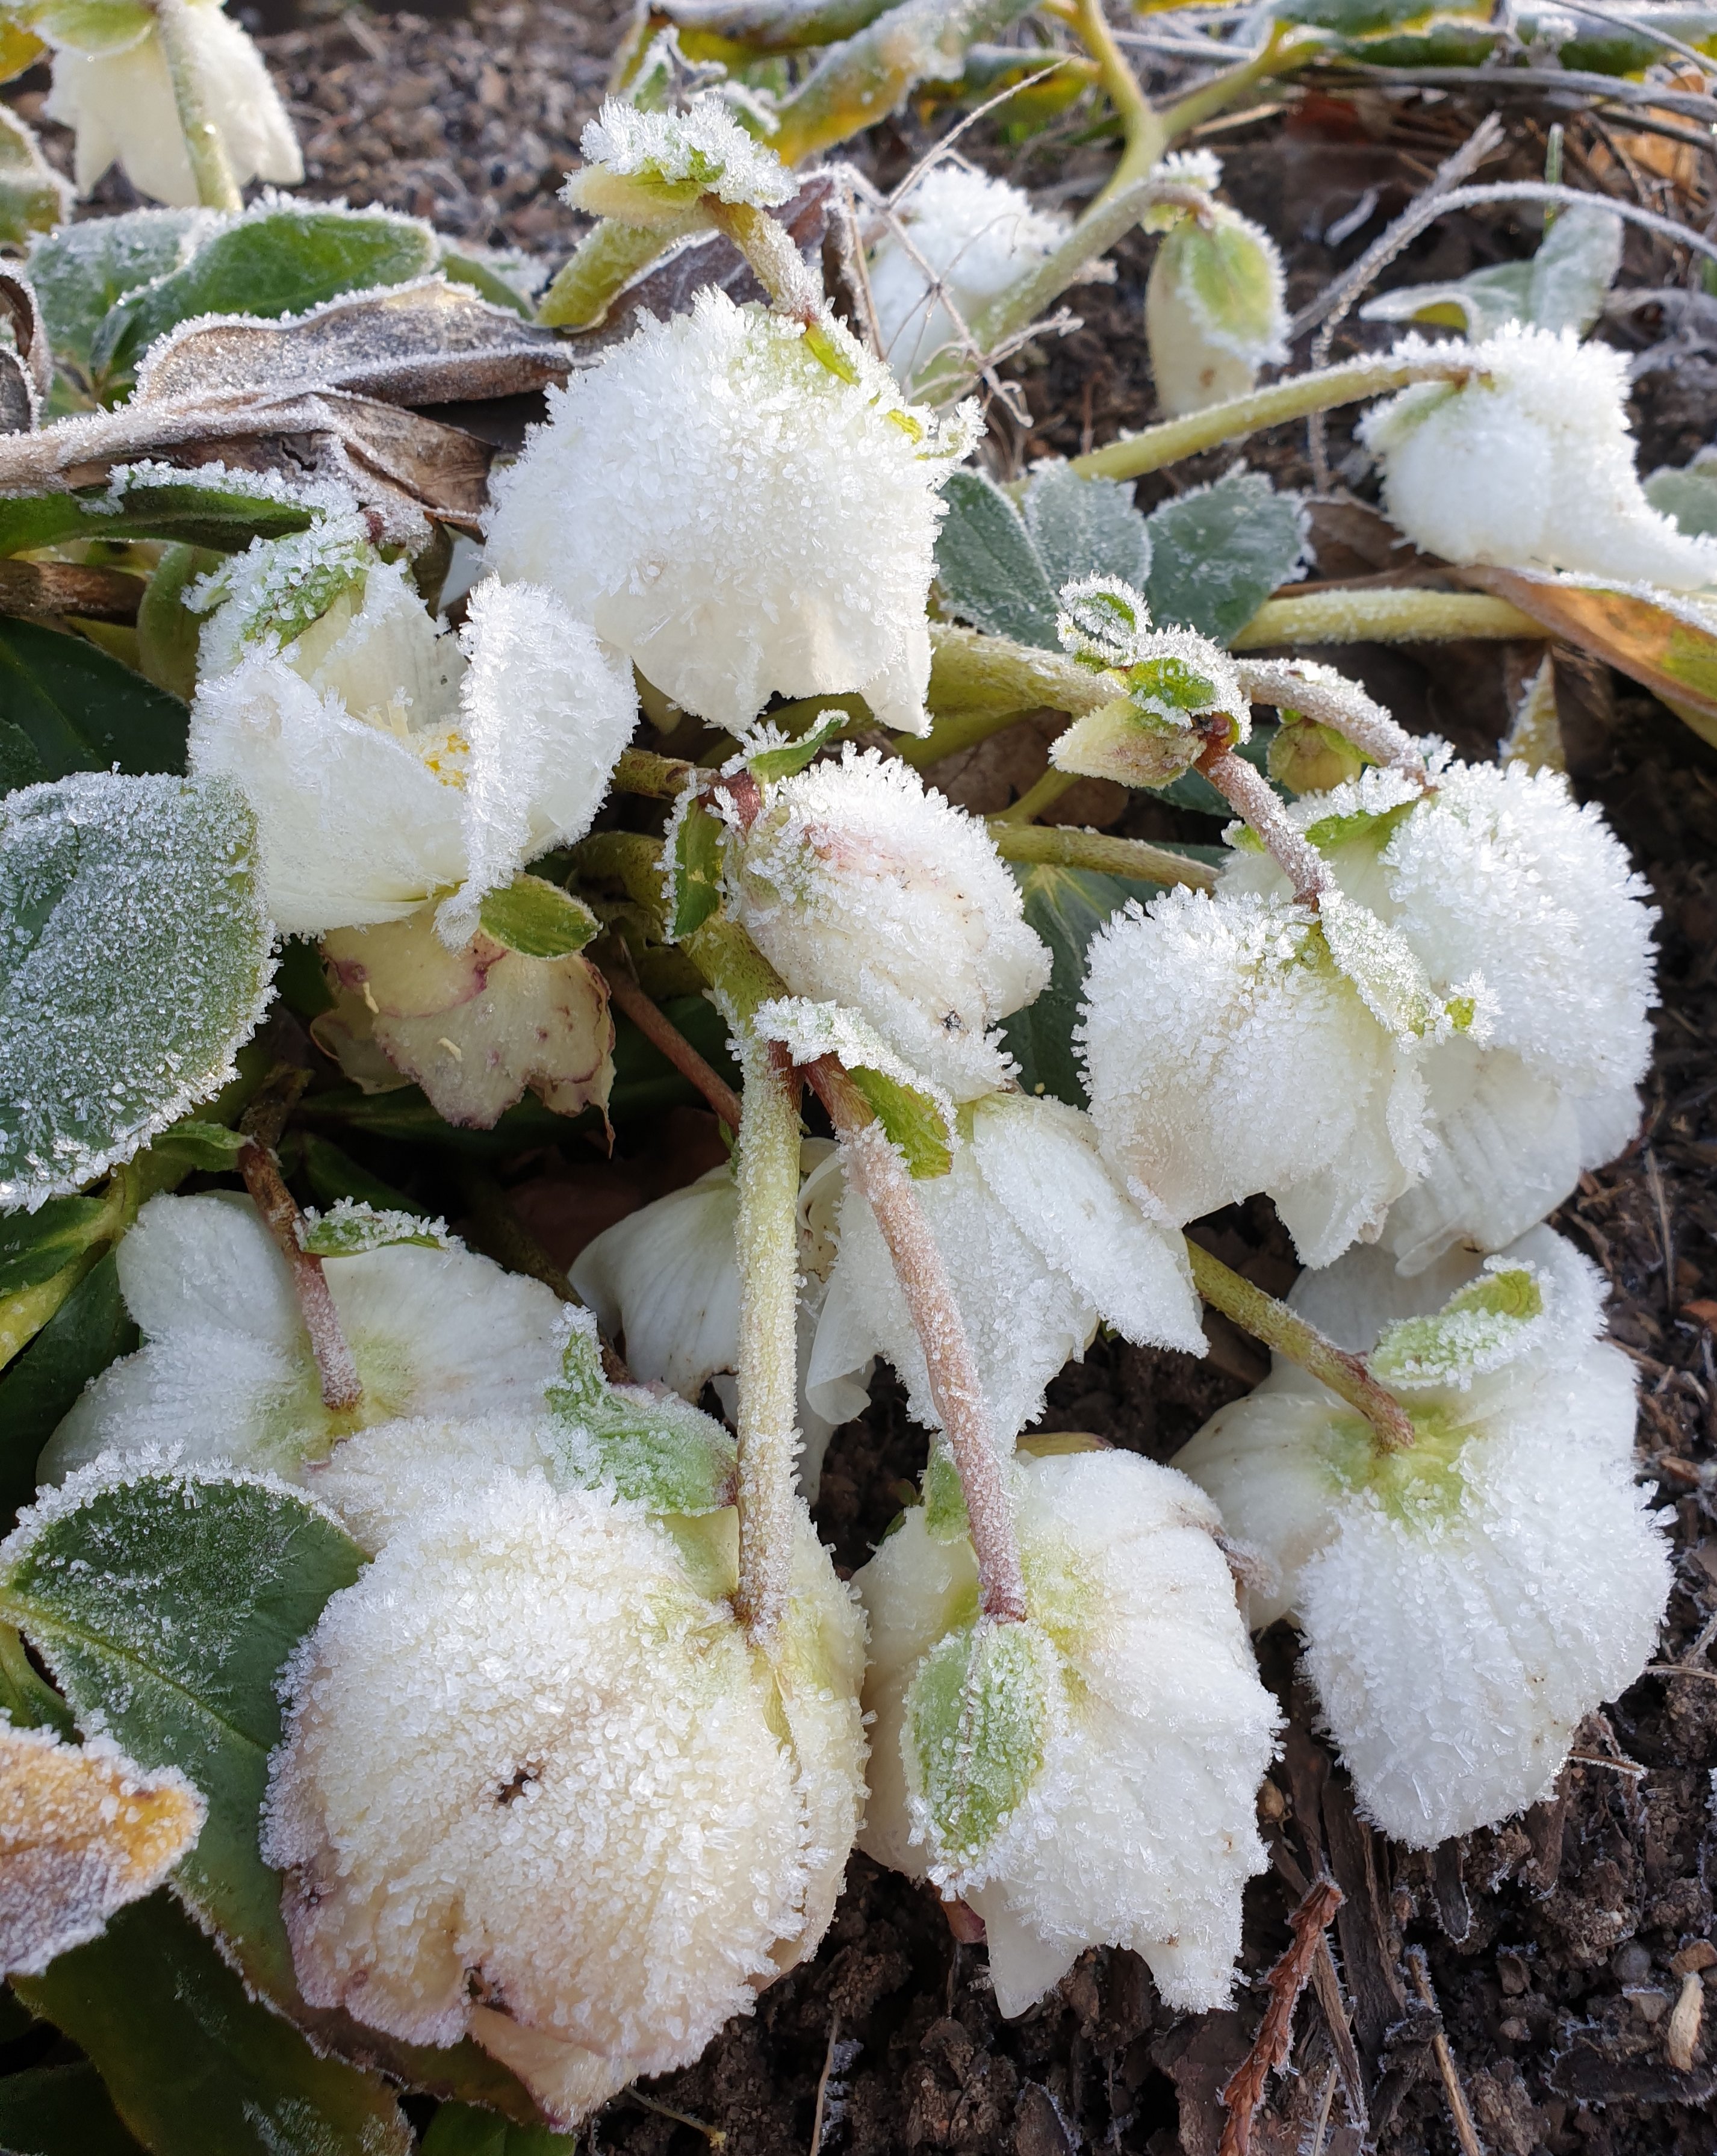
x=1044 y=794
x=1398 y=615
x=971 y=673
x=1290 y=1335
x=1288 y=48
x=1334 y=702
x=210 y=167
x=604 y=261
x=1153 y=446
x=779 y=266
x=275 y=1202
x=1253 y=799
x=1147 y=137
x=767 y=1167
x=1064 y=846
x=642 y=770
x=661 y=1032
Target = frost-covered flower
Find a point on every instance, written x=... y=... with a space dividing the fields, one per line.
x=1216 y=302
x=647 y=167
x=664 y=1282
x=226 y=1372
x=864 y=887
x=1496 y=880
x=1528 y=465
x=1227 y=1052
x=961 y=237
x=1468 y=1601
x=1088 y=1777
x=389 y=760
x=748 y=519
x=119 y=98
x=1040 y=1242
x=536 y=1787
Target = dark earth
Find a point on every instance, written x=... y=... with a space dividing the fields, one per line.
x=1536 y=1967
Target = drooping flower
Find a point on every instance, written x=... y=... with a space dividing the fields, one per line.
x=958 y=236
x=750 y=520
x=863 y=887
x=118 y=96
x=1497 y=876
x=1529 y=464
x=1089 y=1776
x=226 y=1372
x=1215 y=302
x=1466 y=1602
x=1041 y=1244
x=587 y=1860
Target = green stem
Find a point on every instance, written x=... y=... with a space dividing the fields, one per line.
x=1147 y=137
x=1405 y=615
x=1287 y=48
x=1064 y=846
x=210 y=167
x=1297 y=398
x=970 y=673
x=767 y=1169
x=642 y=770
x=1290 y=1335
x=778 y=264
x=1048 y=791
x=605 y=260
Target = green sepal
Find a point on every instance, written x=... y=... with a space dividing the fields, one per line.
x=536 y=918
x=793 y=756
x=980 y=1713
x=658 y=1451
x=698 y=841
x=1480 y=1325
x=1229 y=275
x=349 y=1229
x=1377 y=825
x=945 y=1518
x=912 y=1119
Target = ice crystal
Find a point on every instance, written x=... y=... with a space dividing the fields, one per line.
x=748 y=522
x=1529 y=463
x=673 y=157
x=611 y=1849
x=1041 y=1244
x=1468 y=1602
x=960 y=238
x=1114 y=1803
x=866 y=888
x=121 y=103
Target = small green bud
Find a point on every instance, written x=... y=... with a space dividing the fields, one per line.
x=1310 y=758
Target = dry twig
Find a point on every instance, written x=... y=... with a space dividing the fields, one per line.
x=1245 y=2090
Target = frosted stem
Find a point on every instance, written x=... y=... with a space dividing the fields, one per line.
x=1332 y=701
x=1281 y=1330
x=778 y=264
x=767 y=1166
x=340 y=1386
x=216 y=186
x=1401 y=616
x=1067 y=847
x=1252 y=797
x=1147 y=137
x=878 y=1171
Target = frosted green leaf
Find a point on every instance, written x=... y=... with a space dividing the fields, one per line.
x=84 y=270
x=134 y=962
x=1218 y=551
x=788 y=757
x=987 y=566
x=196 y=1144
x=213 y=507
x=1064 y=908
x=1381 y=965
x=980 y=1716
x=536 y=918
x=1481 y=1326
x=34 y=1246
x=1231 y=277
x=348 y=1229
x=695 y=851
x=654 y=1448
x=1687 y=494
x=33 y=197
x=945 y=1518
x=1562 y=288
x=1085 y=527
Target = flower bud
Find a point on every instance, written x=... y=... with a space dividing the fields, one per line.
x=1307 y=757
x=1089 y=1776
x=653 y=167
x=1468 y=1602
x=1215 y=306
x=1528 y=465
x=1173 y=677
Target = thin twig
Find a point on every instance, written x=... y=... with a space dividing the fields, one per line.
x=823 y=2082
x=1465 y=2132
x=1245 y=2090
x=662 y=1034
x=342 y=1387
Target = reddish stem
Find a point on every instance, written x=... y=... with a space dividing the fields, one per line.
x=340 y=1384
x=1270 y=2047
x=1253 y=799
x=663 y=1035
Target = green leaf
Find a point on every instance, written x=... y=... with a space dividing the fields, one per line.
x=332 y=1175
x=461 y=2129
x=28 y=1702
x=1065 y=907
x=462 y=268
x=20 y=763
x=1562 y=287
x=349 y=1228
x=536 y=918
x=134 y=962
x=1218 y=552
x=697 y=869
x=659 y=1452
x=1687 y=494
x=194 y=2065
x=191 y=1144
x=33 y=197
x=91 y=1329
x=1085 y=527
x=773 y=763
x=34 y=1246
x=987 y=567
x=79 y=710
x=82 y=270
x=216 y=510
x=273 y=262
x=88 y=26
x=913 y=1120
x=980 y=1713
x=60 y=2111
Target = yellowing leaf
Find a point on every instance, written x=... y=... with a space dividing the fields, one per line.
x=83 y=1830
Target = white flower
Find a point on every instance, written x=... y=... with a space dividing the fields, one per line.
x=1530 y=465
x=119 y=100
x=1226 y=1053
x=388 y=760
x=973 y=237
x=637 y=160
x=1467 y=1602
x=1122 y=1811
x=535 y=1787
x=1040 y=1242
x=664 y=1283
x=748 y=521
x=1496 y=878
x=863 y=887
x=225 y=1372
